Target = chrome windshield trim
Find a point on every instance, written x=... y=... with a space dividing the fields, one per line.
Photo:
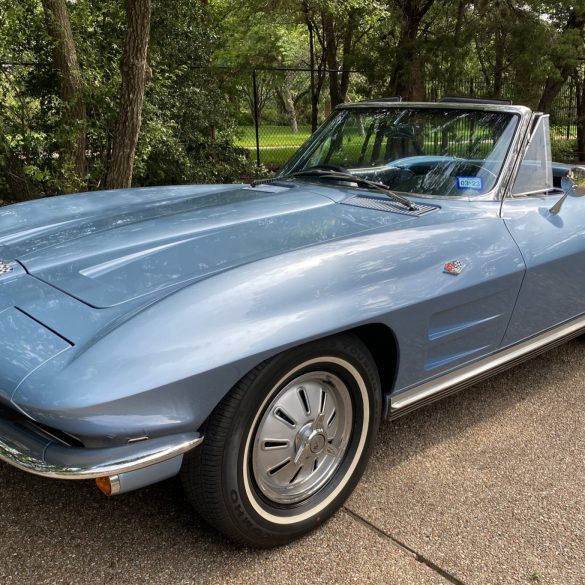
x=106 y=462
x=509 y=108
x=468 y=374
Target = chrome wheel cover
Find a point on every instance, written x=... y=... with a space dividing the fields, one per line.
x=302 y=437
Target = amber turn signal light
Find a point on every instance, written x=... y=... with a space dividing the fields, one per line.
x=104 y=485
x=108 y=485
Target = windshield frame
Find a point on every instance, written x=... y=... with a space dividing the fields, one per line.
x=497 y=191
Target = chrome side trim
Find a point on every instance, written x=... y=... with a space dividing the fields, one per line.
x=468 y=375
x=98 y=462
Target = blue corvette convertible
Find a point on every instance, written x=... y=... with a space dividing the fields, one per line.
x=252 y=337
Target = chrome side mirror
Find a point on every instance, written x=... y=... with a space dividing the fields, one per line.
x=573 y=183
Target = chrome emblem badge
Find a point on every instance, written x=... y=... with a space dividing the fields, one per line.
x=454 y=267
x=4 y=268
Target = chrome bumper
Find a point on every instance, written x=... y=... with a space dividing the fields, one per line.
x=25 y=449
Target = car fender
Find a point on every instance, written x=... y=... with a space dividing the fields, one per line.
x=170 y=364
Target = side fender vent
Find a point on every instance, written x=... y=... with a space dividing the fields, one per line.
x=388 y=205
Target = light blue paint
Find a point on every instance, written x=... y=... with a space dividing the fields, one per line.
x=133 y=313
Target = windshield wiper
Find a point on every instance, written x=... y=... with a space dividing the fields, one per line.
x=339 y=176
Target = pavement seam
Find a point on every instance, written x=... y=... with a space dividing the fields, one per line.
x=404 y=547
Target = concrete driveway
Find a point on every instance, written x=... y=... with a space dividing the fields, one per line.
x=484 y=487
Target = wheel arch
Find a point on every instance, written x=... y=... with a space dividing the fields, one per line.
x=383 y=345
x=225 y=464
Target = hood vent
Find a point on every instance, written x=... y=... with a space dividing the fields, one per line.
x=388 y=205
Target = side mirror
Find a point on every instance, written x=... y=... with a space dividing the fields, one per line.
x=573 y=183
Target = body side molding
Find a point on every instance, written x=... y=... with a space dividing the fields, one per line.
x=466 y=376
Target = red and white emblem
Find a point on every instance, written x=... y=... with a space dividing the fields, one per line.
x=453 y=267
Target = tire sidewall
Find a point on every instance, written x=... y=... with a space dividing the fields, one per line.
x=271 y=523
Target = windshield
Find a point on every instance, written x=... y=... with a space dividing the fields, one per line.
x=426 y=151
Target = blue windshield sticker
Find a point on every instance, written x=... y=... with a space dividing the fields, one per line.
x=473 y=183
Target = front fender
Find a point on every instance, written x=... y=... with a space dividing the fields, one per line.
x=169 y=365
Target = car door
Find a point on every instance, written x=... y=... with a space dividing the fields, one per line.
x=552 y=244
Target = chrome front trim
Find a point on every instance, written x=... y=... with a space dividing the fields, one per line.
x=468 y=375
x=115 y=483
x=115 y=461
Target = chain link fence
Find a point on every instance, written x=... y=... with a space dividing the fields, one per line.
x=276 y=110
x=285 y=105
x=564 y=114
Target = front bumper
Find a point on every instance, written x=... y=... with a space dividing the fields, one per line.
x=27 y=449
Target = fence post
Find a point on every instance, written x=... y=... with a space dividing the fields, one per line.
x=256 y=116
x=570 y=108
x=312 y=66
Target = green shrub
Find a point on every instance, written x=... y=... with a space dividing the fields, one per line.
x=564 y=151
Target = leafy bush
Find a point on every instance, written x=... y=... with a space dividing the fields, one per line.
x=189 y=122
x=564 y=151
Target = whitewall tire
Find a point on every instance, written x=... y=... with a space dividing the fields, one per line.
x=288 y=444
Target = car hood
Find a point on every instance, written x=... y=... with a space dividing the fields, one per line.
x=110 y=248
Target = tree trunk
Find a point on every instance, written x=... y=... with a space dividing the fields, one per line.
x=135 y=74
x=554 y=83
x=499 y=64
x=318 y=87
x=289 y=104
x=402 y=78
x=331 y=59
x=552 y=87
x=317 y=62
x=456 y=59
x=346 y=64
x=338 y=80
x=71 y=92
x=417 y=80
x=21 y=187
x=407 y=79
x=314 y=97
x=482 y=63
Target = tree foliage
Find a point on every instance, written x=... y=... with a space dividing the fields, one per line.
x=187 y=119
x=64 y=88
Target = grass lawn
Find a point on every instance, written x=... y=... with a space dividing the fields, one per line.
x=272 y=136
x=277 y=143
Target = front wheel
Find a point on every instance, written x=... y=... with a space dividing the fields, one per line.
x=288 y=444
